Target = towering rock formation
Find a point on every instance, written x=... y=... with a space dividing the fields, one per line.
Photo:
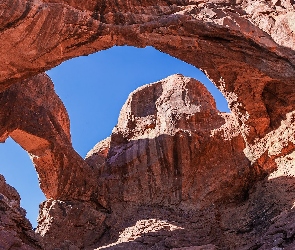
x=183 y=174
x=168 y=148
x=173 y=174
x=34 y=116
x=171 y=155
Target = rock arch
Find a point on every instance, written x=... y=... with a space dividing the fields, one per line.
x=245 y=47
x=241 y=46
x=34 y=116
x=238 y=44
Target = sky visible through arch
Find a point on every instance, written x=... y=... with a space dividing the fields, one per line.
x=93 y=89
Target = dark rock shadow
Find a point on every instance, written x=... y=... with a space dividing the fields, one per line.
x=279 y=99
x=264 y=221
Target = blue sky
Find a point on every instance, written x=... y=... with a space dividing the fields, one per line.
x=93 y=89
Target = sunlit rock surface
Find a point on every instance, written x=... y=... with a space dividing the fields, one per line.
x=245 y=47
x=34 y=116
x=165 y=150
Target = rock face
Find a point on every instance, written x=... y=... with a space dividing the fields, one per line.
x=183 y=174
x=173 y=175
x=70 y=224
x=167 y=156
x=15 y=230
x=167 y=134
x=170 y=161
x=239 y=32
x=244 y=46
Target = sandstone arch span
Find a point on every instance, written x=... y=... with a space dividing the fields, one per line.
x=34 y=116
x=242 y=45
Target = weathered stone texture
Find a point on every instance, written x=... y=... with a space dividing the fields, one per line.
x=70 y=224
x=175 y=173
x=244 y=46
x=34 y=116
x=219 y=196
x=15 y=230
x=164 y=149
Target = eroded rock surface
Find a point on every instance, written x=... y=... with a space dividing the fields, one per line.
x=165 y=149
x=173 y=175
x=70 y=224
x=34 y=116
x=16 y=231
x=219 y=197
x=147 y=168
x=168 y=167
x=245 y=47
x=204 y=28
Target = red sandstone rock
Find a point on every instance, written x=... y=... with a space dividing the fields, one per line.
x=206 y=247
x=15 y=230
x=173 y=174
x=166 y=134
x=230 y=209
x=169 y=153
x=70 y=224
x=34 y=116
x=245 y=47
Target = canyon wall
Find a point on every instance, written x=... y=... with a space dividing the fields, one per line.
x=175 y=172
